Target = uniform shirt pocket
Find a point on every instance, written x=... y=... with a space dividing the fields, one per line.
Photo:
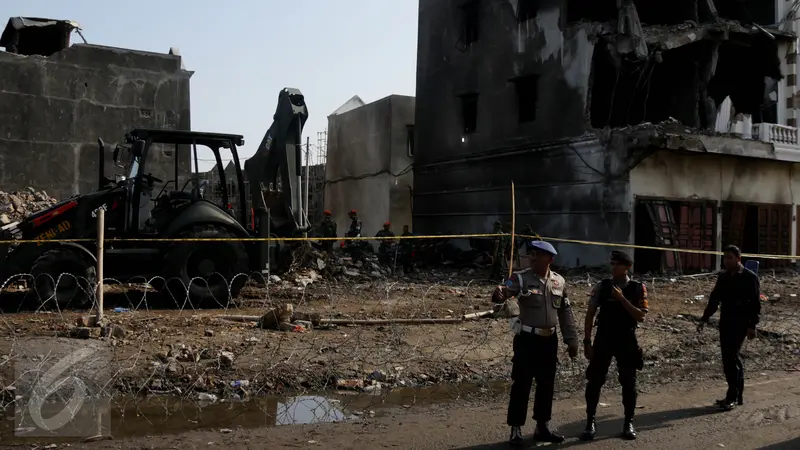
x=557 y=297
x=534 y=296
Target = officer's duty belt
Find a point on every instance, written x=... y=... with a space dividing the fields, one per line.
x=539 y=331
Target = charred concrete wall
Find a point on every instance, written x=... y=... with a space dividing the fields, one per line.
x=674 y=175
x=369 y=166
x=567 y=183
x=530 y=91
x=53 y=109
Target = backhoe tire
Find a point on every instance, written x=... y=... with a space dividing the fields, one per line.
x=64 y=277
x=214 y=272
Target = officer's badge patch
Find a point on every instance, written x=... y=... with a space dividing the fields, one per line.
x=556 y=302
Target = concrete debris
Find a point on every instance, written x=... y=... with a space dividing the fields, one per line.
x=114 y=330
x=226 y=359
x=17 y=205
x=206 y=397
x=274 y=317
x=508 y=309
x=8 y=394
x=86 y=332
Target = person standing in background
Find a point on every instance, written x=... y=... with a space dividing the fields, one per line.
x=738 y=294
x=328 y=229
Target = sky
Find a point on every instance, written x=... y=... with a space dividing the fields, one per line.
x=243 y=52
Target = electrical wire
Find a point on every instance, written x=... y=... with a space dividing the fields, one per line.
x=371 y=174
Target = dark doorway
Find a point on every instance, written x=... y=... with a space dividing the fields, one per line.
x=687 y=225
x=646 y=260
x=758 y=228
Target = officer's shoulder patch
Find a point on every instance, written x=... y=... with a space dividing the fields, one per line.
x=509 y=282
x=558 y=280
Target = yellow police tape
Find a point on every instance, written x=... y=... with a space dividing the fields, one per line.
x=442 y=236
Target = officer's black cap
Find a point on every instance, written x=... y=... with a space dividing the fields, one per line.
x=621 y=257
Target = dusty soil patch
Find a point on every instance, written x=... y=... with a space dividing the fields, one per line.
x=190 y=351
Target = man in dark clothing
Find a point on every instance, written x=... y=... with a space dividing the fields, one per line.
x=328 y=230
x=386 y=246
x=355 y=224
x=738 y=294
x=407 y=251
x=622 y=303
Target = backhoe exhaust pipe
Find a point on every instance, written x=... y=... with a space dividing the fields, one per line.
x=101 y=164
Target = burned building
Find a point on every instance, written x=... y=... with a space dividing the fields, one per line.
x=370 y=154
x=57 y=99
x=647 y=122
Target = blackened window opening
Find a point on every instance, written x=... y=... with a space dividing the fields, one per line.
x=469 y=112
x=527 y=96
x=591 y=10
x=526 y=10
x=471 y=14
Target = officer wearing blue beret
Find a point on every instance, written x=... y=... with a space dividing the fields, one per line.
x=543 y=302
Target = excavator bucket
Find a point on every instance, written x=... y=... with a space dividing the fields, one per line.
x=277 y=165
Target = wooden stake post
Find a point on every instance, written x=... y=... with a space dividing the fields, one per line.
x=101 y=227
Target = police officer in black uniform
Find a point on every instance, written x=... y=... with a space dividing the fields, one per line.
x=622 y=303
x=738 y=292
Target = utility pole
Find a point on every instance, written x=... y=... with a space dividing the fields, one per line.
x=308 y=175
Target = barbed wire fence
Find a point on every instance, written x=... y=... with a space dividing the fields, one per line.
x=343 y=338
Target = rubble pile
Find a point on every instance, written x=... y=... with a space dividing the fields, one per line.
x=18 y=205
x=310 y=264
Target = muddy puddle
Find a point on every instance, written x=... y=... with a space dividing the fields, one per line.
x=153 y=416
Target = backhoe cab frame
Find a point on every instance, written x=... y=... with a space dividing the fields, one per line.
x=140 y=144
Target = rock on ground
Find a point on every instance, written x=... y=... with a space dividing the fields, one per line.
x=17 y=205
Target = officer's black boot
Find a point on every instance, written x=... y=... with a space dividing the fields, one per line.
x=589 y=431
x=543 y=434
x=628 y=432
x=740 y=399
x=516 y=436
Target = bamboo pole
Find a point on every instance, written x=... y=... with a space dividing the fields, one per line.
x=101 y=227
x=513 y=229
x=413 y=321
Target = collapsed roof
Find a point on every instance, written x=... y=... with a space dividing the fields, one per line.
x=37 y=36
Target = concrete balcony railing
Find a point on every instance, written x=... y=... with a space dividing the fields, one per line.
x=784 y=139
x=776 y=134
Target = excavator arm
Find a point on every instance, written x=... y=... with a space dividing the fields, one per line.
x=274 y=172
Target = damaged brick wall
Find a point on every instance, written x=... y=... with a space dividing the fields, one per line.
x=53 y=109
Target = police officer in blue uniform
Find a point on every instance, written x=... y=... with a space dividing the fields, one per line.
x=622 y=303
x=543 y=302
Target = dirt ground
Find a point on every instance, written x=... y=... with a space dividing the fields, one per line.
x=190 y=353
x=675 y=416
x=169 y=350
